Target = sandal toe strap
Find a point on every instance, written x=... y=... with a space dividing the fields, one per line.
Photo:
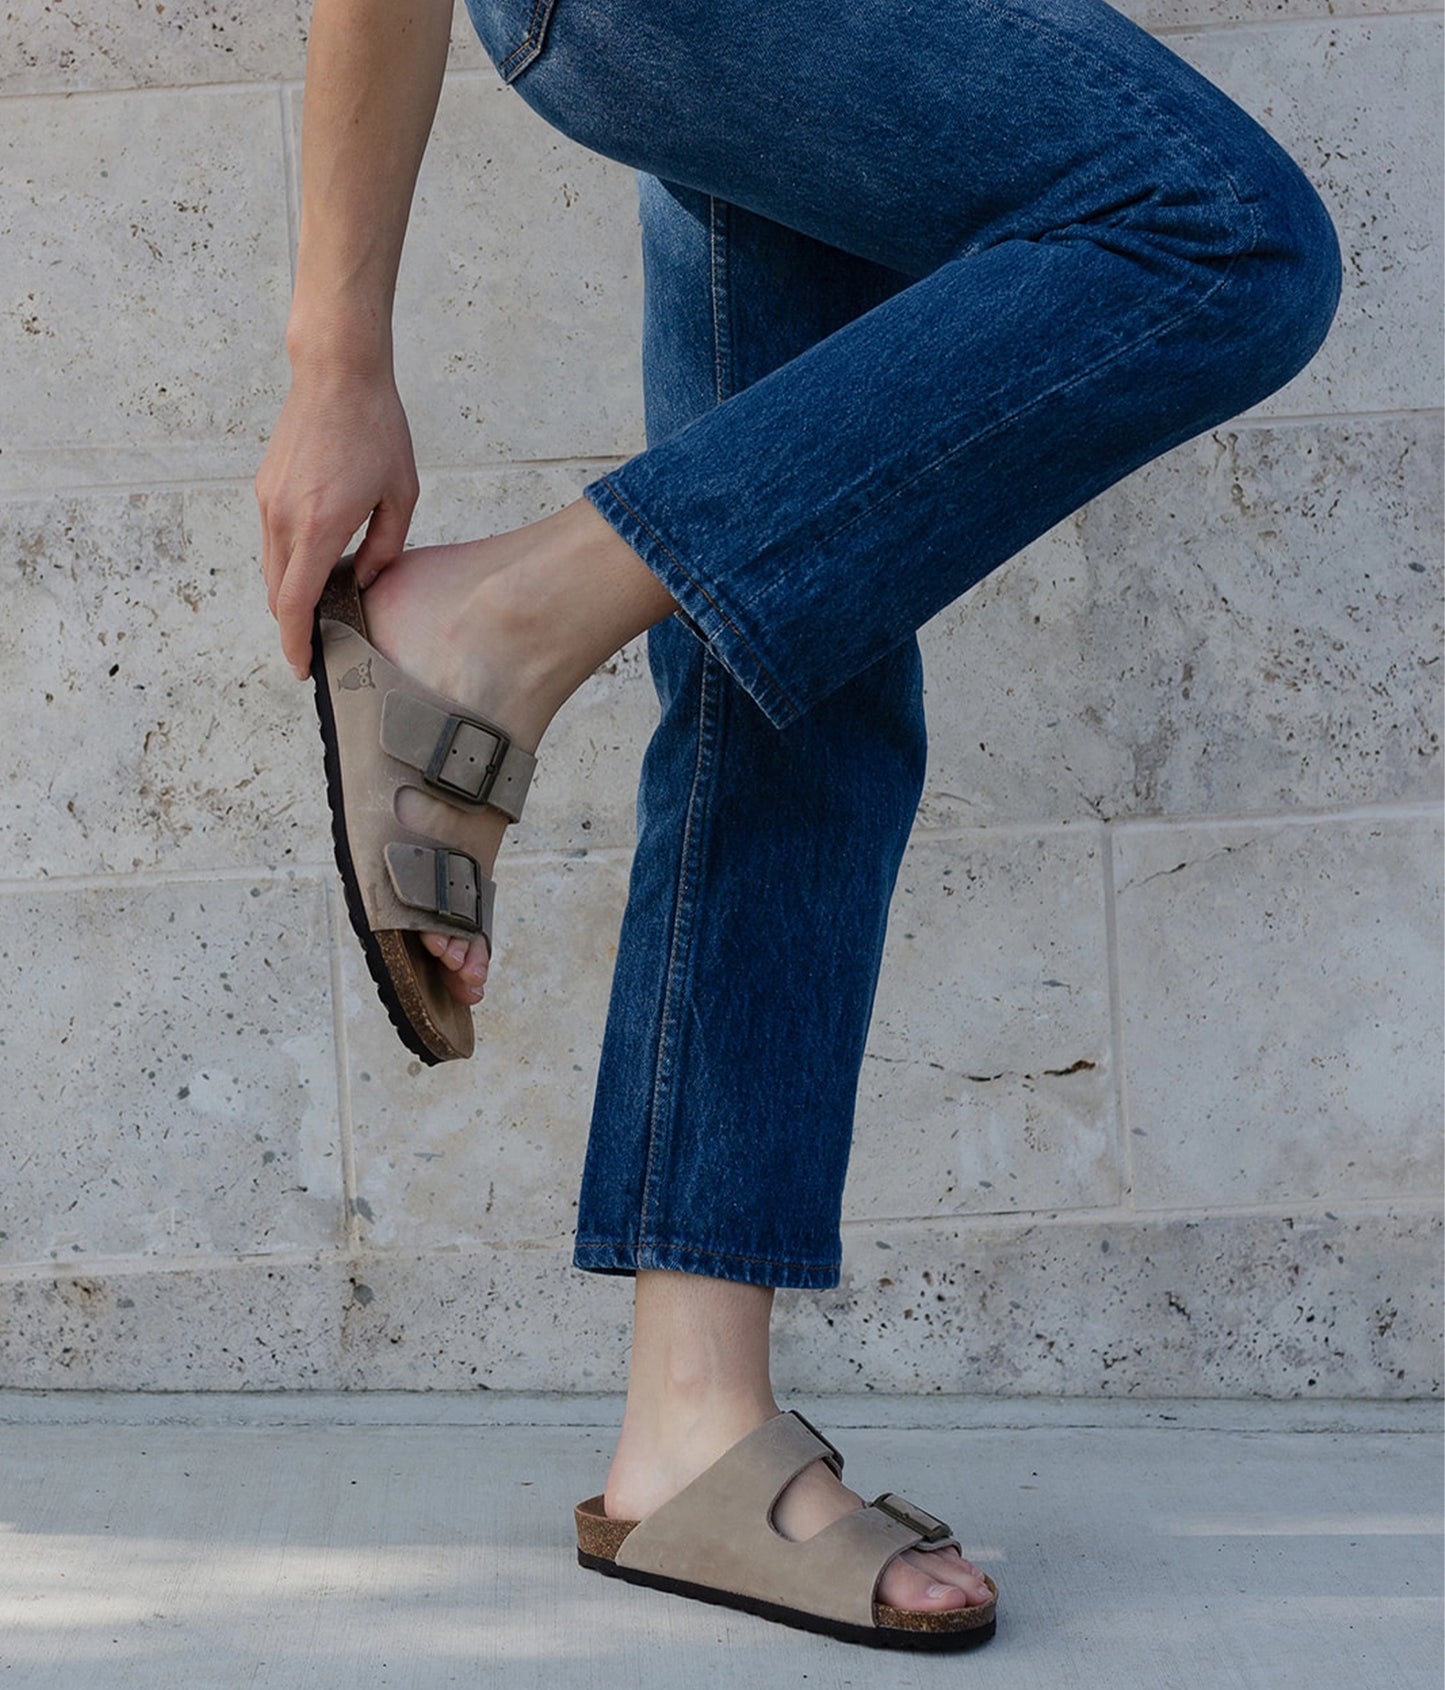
x=438 y=889
x=843 y=1563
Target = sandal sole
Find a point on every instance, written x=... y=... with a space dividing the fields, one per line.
x=934 y=1639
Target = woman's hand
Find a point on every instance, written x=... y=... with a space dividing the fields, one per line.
x=340 y=459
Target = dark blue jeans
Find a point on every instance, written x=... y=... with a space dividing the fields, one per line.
x=922 y=277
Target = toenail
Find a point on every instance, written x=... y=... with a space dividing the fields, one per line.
x=939 y=1589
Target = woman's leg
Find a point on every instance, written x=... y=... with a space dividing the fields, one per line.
x=752 y=939
x=1110 y=257
x=765 y=860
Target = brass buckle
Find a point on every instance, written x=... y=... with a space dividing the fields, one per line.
x=929 y=1529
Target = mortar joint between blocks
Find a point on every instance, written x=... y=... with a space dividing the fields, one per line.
x=1124 y=1148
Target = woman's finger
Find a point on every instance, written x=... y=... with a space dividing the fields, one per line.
x=385 y=537
x=296 y=599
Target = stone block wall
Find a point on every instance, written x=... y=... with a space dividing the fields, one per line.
x=1151 y=1105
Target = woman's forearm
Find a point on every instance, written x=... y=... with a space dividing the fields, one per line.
x=373 y=74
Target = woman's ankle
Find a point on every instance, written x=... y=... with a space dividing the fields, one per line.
x=699 y=1382
x=571 y=596
x=667 y=1441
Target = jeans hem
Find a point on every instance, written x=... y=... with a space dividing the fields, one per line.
x=699 y=609
x=713 y=1264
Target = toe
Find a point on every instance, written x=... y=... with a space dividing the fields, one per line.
x=458 y=986
x=927 y=1580
x=905 y=1585
x=947 y=1567
x=476 y=962
x=448 y=948
x=464 y=963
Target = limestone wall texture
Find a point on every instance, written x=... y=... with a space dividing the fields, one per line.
x=1152 y=1100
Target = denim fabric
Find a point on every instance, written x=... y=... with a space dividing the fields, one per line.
x=926 y=278
x=766 y=859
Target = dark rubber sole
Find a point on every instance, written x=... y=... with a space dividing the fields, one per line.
x=871 y=1637
x=375 y=960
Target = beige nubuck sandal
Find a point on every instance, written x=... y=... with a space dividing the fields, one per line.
x=715 y=1541
x=383 y=731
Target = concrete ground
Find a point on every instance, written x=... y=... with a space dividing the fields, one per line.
x=415 y=1542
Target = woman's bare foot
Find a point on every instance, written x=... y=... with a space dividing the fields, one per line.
x=698 y=1384
x=510 y=627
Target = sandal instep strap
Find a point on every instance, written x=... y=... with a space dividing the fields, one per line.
x=463 y=757
x=718 y=1532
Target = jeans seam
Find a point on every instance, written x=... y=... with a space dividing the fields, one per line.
x=702 y=1250
x=531 y=44
x=681 y=934
x=719 y=278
